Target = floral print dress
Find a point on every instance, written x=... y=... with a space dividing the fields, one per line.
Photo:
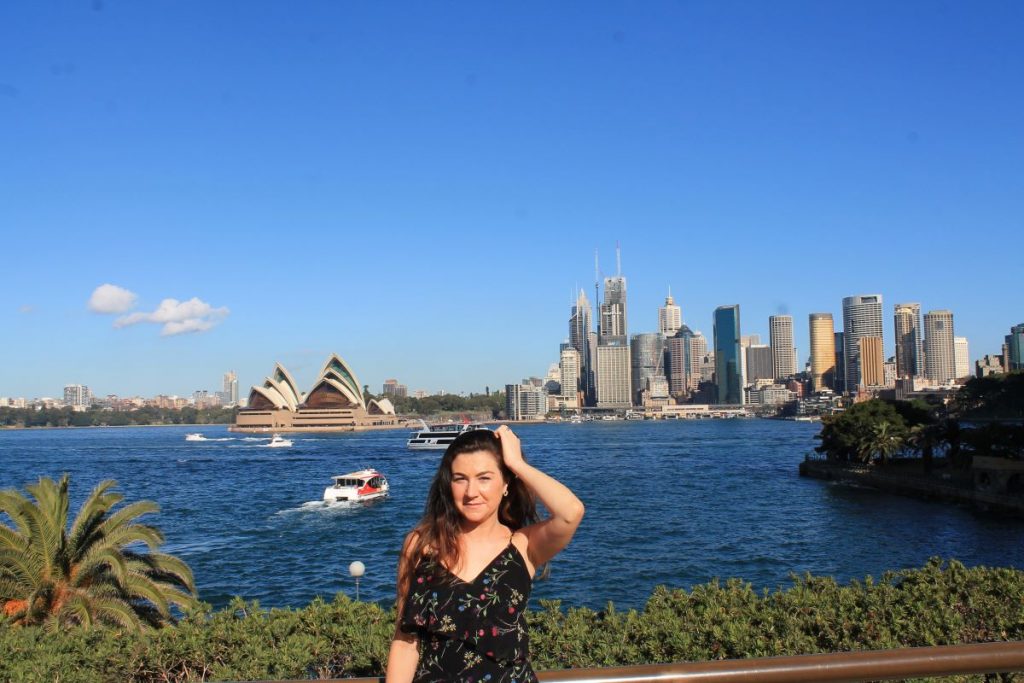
x=472 y=632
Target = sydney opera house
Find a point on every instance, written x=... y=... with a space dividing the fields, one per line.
x=334 y=404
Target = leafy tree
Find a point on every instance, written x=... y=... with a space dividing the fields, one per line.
x=853 y=434
x=91 y=573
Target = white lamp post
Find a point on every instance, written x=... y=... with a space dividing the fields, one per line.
x=357 y=569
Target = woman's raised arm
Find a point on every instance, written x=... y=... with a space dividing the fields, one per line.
x=548 y=537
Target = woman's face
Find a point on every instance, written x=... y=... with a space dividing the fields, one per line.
x=477 y=485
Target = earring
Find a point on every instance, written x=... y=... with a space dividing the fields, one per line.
x=505 y=495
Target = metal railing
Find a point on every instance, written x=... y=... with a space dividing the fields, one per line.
x=834 y=667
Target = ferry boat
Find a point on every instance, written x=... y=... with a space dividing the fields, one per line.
x=277 y=441
x=361 y=485
x=195 y=437
x=437 y=437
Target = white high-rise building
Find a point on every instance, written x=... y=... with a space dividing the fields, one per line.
x=780 y=335
x=670 y=317
x=862 y=317
x=569 y=372
x=77 y=396
x=230 y=392
x=939 y=352
x=961 y=357
x=525 y=402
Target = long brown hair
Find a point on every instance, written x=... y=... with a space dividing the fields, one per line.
x=437 y=533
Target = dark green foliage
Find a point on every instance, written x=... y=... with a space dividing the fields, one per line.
x=98 y=417
x=992 y=397
x=869 y=429
x=938 y=604
x=475 y=406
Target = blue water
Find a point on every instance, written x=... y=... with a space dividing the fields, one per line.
x=673 y=503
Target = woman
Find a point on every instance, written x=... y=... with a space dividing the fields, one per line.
x=466 y=570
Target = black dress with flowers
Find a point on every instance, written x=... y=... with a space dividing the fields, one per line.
x=473 y=632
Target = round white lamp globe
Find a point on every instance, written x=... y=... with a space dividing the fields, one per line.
x=357 y=569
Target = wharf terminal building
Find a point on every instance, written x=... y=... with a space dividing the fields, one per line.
x=334 y=404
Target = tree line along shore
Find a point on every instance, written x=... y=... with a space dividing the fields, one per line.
x=475 y=407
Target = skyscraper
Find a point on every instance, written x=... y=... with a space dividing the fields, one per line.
x=862 y=317
x=613 y=310
x=579 y=339
x=839 y=379
x=670 y=317
x=939 y=352
x=613 y=386
x=872 y=362
x=569 y=372
x=230 y=388
x=823 y=351
x=909 y=344
x=728 y=363
x=678 y=353
x=780 y=335
x=759 y=363
x=612 y=372
x=1014 y=344
x=961 y=357
x=647 y=352
x=698 y=352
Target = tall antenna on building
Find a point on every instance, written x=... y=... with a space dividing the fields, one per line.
x=618 y=260
x=597 y=292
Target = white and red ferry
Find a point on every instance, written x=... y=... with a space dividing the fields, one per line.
x=361 y=485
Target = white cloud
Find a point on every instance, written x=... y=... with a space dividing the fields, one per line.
x=111 y=299
x=178 y=317
x=25 y=309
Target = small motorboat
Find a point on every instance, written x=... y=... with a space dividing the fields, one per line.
x=278 y=441
x=361 y=485
x=195 y=437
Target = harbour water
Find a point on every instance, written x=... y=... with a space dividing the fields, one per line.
x=674 y=503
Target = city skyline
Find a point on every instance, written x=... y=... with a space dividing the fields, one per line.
x=249 y=205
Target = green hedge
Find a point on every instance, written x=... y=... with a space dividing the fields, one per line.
x=937 y=604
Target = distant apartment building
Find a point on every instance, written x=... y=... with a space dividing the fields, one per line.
x=525 y=402
x=77 y=396
x=759 y=363
x=229 y=388
x=961 y=357
x=780 y=336
x=770 y=395
x=823 y=351
x=728 y=357
x=871 y=359
x=909 y=341
x=670 y=317
x=939 y=350
x=862 y=317
x=889 y=373
x=393 y=389
x=990 y=364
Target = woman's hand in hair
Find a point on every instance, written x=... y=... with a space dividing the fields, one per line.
x=511 y=449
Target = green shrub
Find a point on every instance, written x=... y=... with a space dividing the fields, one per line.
x=936 y=605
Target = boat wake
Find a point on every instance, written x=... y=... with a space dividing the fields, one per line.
x=319 y=507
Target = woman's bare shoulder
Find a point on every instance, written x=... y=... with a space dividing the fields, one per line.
x=521 y=540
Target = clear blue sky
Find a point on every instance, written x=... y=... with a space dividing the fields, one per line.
x=419 y=186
